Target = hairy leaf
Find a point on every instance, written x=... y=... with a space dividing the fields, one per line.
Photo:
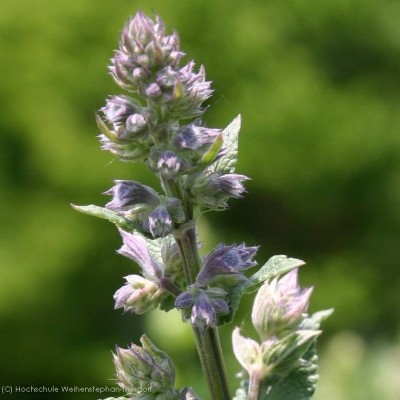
x=275 y=266
x=110 y=215
x=299 y=384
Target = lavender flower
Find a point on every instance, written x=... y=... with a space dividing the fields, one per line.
x=144 y=46
x=160 y=222
x=128 y=119
x=194 y=137
x=190 y=92
x=135 y=248
x=137 y=151
x=138 y=295
x=280 y=305
x=165 y=163
x=224 y=265
x=202 y=306
x=119 y=108
x=213 y=191
x=131 y=195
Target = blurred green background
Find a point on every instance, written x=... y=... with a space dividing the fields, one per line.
x=318 y=87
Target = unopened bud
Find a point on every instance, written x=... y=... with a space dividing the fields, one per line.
x=145 y=366
x=279 y=305
x=214 y=190
x=138 y=295
x=224 y=265
x=160 y=222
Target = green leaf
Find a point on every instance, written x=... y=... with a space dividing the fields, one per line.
x=289 y=350
x=300 y=384
x=274 y=267
x=110 y=215
x=227 y=163
x=167 y=303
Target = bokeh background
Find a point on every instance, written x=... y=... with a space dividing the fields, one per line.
x=318 y=87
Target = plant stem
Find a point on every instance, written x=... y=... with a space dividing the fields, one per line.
x=254 y=387
x=207 y=341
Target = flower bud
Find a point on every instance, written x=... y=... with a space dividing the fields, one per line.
x=213 y=191
x=166 y=163
x=119 y=108
x=145 y=366
x=138 y=295
x=136 y=151
x=128 y=119
x=225 y=264
x=280 y=305
x=160 y=222
x=144 y=46
x=153 y=91
x=135 y=123
x=190 y=91
x=131 y=195
x=193 y=137
x=202 y=306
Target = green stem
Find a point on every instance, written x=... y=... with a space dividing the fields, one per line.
x=207 y=341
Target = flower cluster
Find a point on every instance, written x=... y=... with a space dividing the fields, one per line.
x=156 y=214
x=146 y=125
x=148 y=368
x=190 y=160
x=160 y=277
x=221 y=271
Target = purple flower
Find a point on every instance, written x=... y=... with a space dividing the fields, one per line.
x=165 y=162
x=144 y=45
x=160 y=222
x=225 y=264
x=202 y=306
x=119 y=108
x=135 y=248
x=153 y=91
x=128 y=195
x=280 y=305
x=190 y=92
x=128 y=119
x=213 y=191
x=125 y=152
x=138 y=295
x=193 y=137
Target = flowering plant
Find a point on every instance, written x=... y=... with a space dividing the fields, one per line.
x=159 y=122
